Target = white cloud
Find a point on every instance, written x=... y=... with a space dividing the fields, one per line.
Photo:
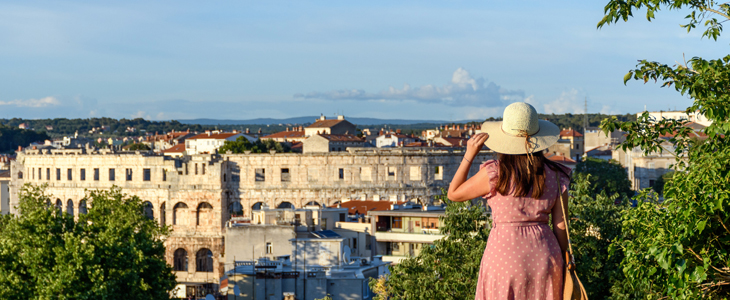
x=570 y=101
x=462 y=90
x=42 y=102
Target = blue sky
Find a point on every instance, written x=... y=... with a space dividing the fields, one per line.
x=440 y=60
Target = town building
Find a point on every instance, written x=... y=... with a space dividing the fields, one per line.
x=696 y=116
x=288 y=136
x=594 y=137
x=315 y=269
x=338 y=126
x=394 y=140
x=404 y=230
x=162 y=142
x=4 y=192
x=210 y=141
x=322 y=143
x=571 y=144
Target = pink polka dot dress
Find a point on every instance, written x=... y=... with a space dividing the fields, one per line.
x=523 y=259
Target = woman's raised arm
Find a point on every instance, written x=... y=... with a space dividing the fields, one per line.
x=461 y=189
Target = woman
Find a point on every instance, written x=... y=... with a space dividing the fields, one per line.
x=523 y=258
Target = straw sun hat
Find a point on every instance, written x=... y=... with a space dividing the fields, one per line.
x=520 y=132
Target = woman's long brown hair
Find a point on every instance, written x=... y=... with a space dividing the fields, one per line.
x=524 y=174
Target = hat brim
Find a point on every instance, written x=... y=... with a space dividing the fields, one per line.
x=502 y=142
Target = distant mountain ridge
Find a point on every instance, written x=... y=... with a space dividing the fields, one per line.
x=306 y=120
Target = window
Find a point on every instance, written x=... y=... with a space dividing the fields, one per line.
x=418 y=223
x=178 y=210
x=82 y=207
x=69 y=174
x=111 y=174
x=128 y=174
x=204 y=260
x=354 y=243
x=48 y=173
x=324 y=224
x=40 y=171
x=365 y=174
x=70 y=207
x=285 y=176
x=58 y=174
x=391 y=173
x=651 y=183
x=33 y=174
x=146 y=175
x=82 y=174
x=439 y=173
x=260 y=174
x=269 y=248
x=650 y=165
x=196 y=169
x=162 y=214
x=577 y=146
x=202 y=167
x=204 y=212
x=96 y=174
x=342 y=218
x=342 y=173
x=415 y=173
x=149 y=210
x=180 y=260
x=397 y=222
x=164 y=174
x=186 y=168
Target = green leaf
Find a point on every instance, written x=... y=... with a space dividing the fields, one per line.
x=701 y=225
x=628 y=76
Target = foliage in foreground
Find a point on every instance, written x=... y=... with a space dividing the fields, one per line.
x=678 y=249
x=595 y=224
x=606 y=176
x=113 y=252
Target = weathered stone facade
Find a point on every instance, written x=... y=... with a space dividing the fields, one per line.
x=197 y=194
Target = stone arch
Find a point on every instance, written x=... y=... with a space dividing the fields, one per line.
x=235 y=209
x=180 y=260
x=59 y=206
x=82 y=207
x=48 y=203
x=335 y=203
x=285 y=204
x=205 y=213
x=163 y=214
x=149 y=210
x=257 y=206
x=70 y=207
x=313 y=203
x=179 y=213
x=204 y=260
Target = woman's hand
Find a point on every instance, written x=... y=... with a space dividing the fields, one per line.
x=475 y=144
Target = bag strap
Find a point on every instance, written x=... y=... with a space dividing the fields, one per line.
x=569 y=255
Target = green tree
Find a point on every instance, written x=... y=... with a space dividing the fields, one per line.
x=661 y=181
x=595 y=224
x=679 y=248
x=139 y=146
x=608 y=176
x=242 y=144
x=112 y=252
x=448 y=269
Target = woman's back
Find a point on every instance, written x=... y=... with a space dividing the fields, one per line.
x=523 y=259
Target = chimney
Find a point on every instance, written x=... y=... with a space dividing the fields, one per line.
x=397 y=131
x=248 y=131
x=207 y=132
x=340 y=117
x=259 y=130
x=287 y=129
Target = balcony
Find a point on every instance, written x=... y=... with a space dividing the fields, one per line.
x=415 y=237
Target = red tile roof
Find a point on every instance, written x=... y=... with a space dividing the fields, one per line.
x=362 y=207
x=179 y=148
x=285 y=134
x=217 y=136
x=325 y=123
x=570 y=132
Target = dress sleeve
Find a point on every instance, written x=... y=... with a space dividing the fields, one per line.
x=564 y=180
x=492 y=170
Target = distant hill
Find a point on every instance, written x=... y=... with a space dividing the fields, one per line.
x=308 y=120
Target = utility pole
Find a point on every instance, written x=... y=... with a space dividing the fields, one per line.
x=585 y=116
